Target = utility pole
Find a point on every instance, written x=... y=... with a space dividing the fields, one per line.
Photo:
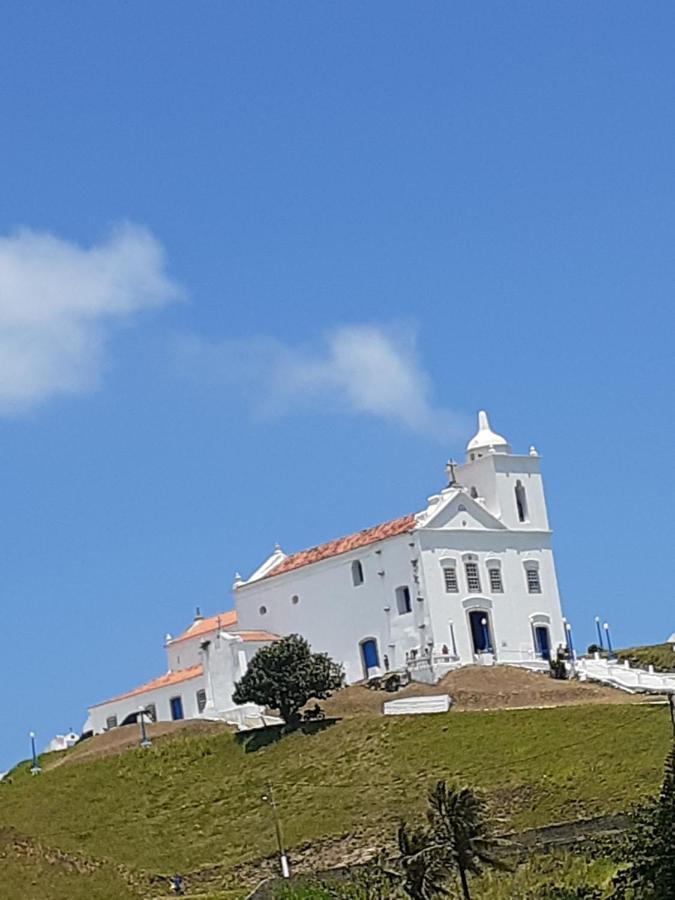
x=283 y=859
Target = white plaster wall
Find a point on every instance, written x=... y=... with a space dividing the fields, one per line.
x=225 y=660
x=186 y=690
x=495 y=477
x=511 y=610
x=185 y=653
x=336 y=616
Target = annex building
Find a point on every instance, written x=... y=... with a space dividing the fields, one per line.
x=468 y=579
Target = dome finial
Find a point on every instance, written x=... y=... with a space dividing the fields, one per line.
x=485 y=440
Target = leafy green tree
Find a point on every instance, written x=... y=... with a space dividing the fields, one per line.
x=650 y=874
x=286 y=674
x=460 y=825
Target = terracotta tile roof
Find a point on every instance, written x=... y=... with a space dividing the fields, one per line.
x=256 y=635
x=345 y=544
x=163 y=681
x=205 y=626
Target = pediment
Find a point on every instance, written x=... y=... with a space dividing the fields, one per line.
x=459 y=511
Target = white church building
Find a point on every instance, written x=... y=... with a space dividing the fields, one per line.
x=468 y=579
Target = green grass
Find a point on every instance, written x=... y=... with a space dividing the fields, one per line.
x=661 y=656
x=529 y=879
x=196 y=802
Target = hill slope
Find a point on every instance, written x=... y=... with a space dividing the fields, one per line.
x=193 y=802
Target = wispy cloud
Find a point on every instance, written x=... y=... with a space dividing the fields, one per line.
x=58 y=302
x=362 y=369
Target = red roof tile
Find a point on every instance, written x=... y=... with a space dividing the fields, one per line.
x=256 y=635
x=163 y=681
x=205 y=626
x=344 y=544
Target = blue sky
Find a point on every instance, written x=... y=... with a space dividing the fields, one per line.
x=214 y=217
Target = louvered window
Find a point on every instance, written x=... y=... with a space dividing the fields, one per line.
x=472 y=577
x=450 y=576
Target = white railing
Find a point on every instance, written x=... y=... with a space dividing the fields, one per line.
x=622 y=675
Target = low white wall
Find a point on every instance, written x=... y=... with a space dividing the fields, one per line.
x=413 y=706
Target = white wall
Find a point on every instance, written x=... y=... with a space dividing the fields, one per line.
x=334 y=615
x=511 y=610
x=186 y=690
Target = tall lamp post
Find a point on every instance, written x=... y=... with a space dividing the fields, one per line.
x=35 y=765
x=283 y=859
x=486 y=636
x=145 y=740
x=569 y=644
x=599 y=630
x=610 y=651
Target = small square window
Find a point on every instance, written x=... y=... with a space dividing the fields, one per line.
x=111 y=722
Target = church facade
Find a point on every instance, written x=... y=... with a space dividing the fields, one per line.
x=469 y=579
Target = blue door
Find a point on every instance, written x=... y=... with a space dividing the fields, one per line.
x=542 y=642
x=371 y=658
x=176 y=708
x=480 y=631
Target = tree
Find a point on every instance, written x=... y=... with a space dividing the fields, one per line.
x=459 y=823
x=286 y=674
x=650 y=874
x=424 y=867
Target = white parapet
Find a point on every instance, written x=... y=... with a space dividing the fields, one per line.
x=414 y=706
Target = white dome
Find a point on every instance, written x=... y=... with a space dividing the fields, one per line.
x=485 y=439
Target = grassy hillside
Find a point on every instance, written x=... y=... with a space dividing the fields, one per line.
x=194 y=802
x=661 y=656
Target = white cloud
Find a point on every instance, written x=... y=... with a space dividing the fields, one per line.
x=58 y=302
x=361 y=369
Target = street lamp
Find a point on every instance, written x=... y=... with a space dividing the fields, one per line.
x=269 y=798
x=610 y=652
x=145 y=740
x=35 y=765
x=597 y=625
x=486 y=635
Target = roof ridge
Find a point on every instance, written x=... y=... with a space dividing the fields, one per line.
x=344 y=544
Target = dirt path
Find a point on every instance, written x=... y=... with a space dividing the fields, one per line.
x=480 y=688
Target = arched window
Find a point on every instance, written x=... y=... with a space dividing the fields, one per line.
x=532 y=576
x=495 y=575
x=450 y=579
x=472 y=574
x=521 y=502
x=403 y=601
x=357 y=573
x=474 y=493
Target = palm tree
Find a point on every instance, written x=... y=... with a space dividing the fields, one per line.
x=424 y=867
x=458 y=820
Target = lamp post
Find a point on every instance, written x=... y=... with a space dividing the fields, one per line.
x=35 y=765
x=610 y=652
x=599 y=630
x=283 y=860
x=145 y=740
x=486 y=636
